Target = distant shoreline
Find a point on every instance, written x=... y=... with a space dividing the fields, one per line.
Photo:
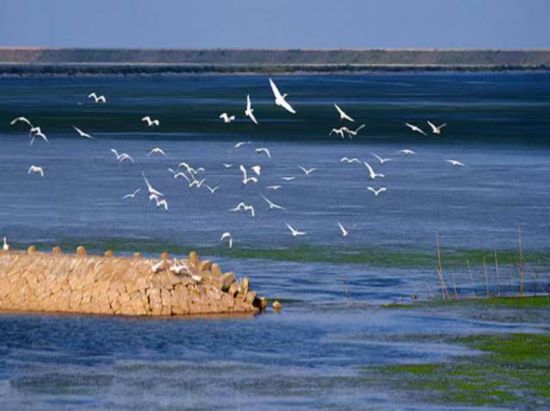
x=67 y=62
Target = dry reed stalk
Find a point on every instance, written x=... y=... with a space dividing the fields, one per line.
x=439 y=269
x=471 y=277
x=497 y=274
x=521 y=263
x=486 y=276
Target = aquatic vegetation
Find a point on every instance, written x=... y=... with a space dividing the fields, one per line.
x=513 y=368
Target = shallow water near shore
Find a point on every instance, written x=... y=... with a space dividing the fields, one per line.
x=333 y=323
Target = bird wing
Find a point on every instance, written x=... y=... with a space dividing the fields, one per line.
x=342 y=229
x=275 y=90
x=371 y=171
x=253 y=118
x=432 y=125
x=287 y=106
x=248 y=103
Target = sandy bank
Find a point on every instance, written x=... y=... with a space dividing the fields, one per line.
x=80 y=283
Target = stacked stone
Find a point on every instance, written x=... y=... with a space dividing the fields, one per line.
x=81 y=283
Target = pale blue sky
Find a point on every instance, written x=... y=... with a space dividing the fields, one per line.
x=276 y=23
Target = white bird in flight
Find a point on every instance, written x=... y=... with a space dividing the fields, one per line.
x=307 y=171
x=212 y=190
x=191 y=170
x=264 y=150
x=338 y=131
x=436 y=129
x=179 y=174
x=241 y=143
x=22 y=120
x=294 y=232
x=227 y=118
x=161 y=203
x=150 y=122
x=416 y=129
x=97 y=99
x=227 y=236
x=274 y=188
x=343 y=115
x=407 y=152
x=157 y=150
x=131 y=195
x=372 y=174
x=244 y=207
x=197 y=183
x=82 y=133
x=272 y=205
x=456 y=163
x=122 y=157
x=257 y=169
x=227 y=165
x=376 y=192
x=37 y=132
x=36 y=170
x=344 y=232
x=380 y=159
x=247 y=179
x=350 y=160
x=289 y=178
x=150 y=188
x=354 y=132
x=249 y=112
x=280 y=99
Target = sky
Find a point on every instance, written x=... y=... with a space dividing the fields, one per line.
x=276 y=23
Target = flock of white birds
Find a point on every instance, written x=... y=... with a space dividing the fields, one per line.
x=250 y=175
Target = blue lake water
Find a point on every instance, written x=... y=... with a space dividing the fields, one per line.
x=310 y=355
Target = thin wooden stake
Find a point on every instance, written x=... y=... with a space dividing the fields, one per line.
x=521 y=263
x=497 y=274
x=486 y=276
x=439 y=270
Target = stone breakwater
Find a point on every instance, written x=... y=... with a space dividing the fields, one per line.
x=79 y=283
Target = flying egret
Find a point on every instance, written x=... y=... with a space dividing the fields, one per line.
x=131 y=195
x=37 y=132
x=244 y=207
x=338 y=131
x=97 y=99
x=289 y=178
x=272 y=205
x=36 y=170
x=227 y=165
x=380 y=159
x=247 y=179
x=122 y=156
x=264 y=150
x=212 y=190
x=241 y=143
x=376 y=192
x=179 y=174
x=407 y=152
x=227 y=236
x=274 y=188
x=280 y=99
x=82 y=133
x=157 y=150
x=22 y=120
x=456 y=163
x=344 y=232
x=354 y=132
x=150 y=122
x=191 y=170
x=307 y=171
x=249 y=112
x=372 y=174
x=227 y=118
x=416 y=129
x=350 y=160
x=150 y=188
x=436 y=129
x=197 y=183
x=294 y=232
x=343 y=115
x=257 y=169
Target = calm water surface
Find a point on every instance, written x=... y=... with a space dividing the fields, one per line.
x=310 y=355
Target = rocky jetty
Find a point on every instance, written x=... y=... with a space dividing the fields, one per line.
x=34 y=281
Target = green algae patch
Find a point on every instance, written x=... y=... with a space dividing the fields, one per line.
x=511 y=302
x=512 y=369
